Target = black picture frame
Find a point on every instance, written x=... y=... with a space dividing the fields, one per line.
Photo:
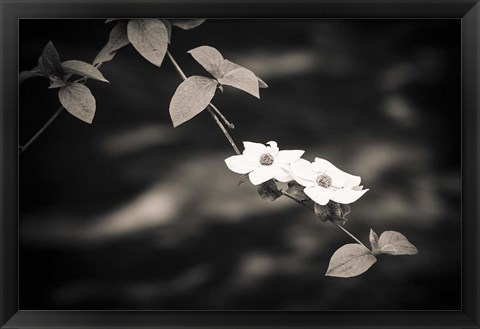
x=466 y=10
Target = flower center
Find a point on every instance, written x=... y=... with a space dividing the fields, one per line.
x=266 y=159
x=324 y=180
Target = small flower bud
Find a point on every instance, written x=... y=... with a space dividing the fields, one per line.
x=296 y=191
x=269 y=191
x=332 y=210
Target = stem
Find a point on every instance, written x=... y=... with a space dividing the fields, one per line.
x=45 y=126
x=211 y=108
x=225 y=132
x=346 y=231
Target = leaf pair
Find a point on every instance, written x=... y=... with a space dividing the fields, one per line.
x=75 y=97
x=195 y=93
x=354 y=259
x=150 y=37
x=227 y=72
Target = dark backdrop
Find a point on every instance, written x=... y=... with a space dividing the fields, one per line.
x=129 y=213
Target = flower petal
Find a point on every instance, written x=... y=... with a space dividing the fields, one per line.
x=288 y=156
x=339 y=177
x=261 y=174
x=254 y=150
x=318 y=194
x=347 y=195
x=241 y=164
x=272 y=148
x=303 y=170
x=283 y=175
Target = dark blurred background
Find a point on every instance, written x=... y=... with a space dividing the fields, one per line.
x=130 y=213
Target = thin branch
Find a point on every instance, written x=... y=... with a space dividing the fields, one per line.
x=211 y=108
x=345 y=230
x=225 y=132
x=45 y=126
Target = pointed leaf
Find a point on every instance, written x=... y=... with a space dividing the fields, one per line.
x=58 y=83
x=397 y=244
x=350 y=260
x=49 y=61
x=24 y=75
x=188 y=24
x=261 y=83
x=243 y=79
x=150 y=39
x=210 y=58
x=83 y=69
x=374 y=241
x=243 y=179
x=228 y=66
x=118 y=38
x=191 y=97
x=111 y=20
x=78 y=101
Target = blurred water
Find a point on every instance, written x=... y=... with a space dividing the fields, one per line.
x=129 y=213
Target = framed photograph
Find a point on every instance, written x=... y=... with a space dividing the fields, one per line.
x=240 y=164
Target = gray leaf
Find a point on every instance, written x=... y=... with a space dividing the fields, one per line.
x=227 y=66
x=111 y=20
x=49 y=62
x=210 y=58
x=243 y=79
x=58 y=83
x=78 y=101
x=374 y=241
x=150 y=39
x=350 y=260
x=188 y=24
x=83 y=69
x=24 y=75
x=118 y=38
x=191 y=97
x=397 y=244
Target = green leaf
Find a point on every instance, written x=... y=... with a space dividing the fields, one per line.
x=78 y=100
x=242 y=79
x=350 y=260
x=118 y=38
x=83 y=69
x=210 y=58
x=191 y=97
x=49 y=62
x=150 y=39
x=188 y=24
x=24 y=75
x=394 y=243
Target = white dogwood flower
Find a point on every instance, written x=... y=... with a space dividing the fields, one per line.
x=323 y=182
x=263 y=163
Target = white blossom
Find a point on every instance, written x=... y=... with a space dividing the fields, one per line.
x=323 y=182
x=263 y=162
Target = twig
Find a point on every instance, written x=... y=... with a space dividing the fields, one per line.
x=211 y=108
x=45 y=126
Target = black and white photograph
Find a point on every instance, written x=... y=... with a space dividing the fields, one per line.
x=240 y=164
